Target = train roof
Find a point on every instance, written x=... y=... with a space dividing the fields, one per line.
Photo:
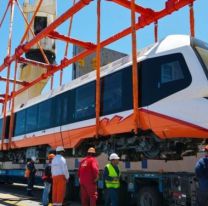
x=170 y=42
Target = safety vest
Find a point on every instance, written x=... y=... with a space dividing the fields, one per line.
x=27 y=173
x=112 y=173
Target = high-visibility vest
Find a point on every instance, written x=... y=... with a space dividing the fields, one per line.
x=112 y=173
x=27 y=173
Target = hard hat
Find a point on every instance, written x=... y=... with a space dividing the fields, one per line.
x=206 y=148
x=91 y=150
x=114 y=156
x=59 y=149
x=33 y=158
x=51 y=156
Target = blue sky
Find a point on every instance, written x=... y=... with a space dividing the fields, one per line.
x=114 y=18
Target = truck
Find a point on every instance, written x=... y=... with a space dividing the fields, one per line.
x=144 y=183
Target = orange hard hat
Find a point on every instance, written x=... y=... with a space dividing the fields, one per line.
x=51 y=156
x=91 y=150
x=206 y=148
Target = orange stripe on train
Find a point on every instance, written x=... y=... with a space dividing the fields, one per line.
x=163 y=126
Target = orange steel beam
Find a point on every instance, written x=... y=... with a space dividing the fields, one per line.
x=23 y=83
x=2 y=95
x=32 y=62
x=24 y=48
x=56 y=35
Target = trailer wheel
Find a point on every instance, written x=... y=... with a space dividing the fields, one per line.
x=148 y=196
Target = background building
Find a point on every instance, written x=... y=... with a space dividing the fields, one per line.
x=88 y=64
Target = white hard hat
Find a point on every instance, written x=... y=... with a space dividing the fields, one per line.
x=114 y=156
x=33 y=158
x=59 y=149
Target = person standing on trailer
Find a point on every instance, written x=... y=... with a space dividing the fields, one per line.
x=201 y=171
x=30 y=175
x=47 y=178
x=111 y=177
x=60 y=176
x=88 y=174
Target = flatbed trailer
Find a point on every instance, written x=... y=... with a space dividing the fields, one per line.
x=137 y=187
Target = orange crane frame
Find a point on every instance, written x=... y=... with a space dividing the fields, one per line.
x=147 y=16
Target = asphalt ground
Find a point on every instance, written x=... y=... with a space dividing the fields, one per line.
x=15 y=194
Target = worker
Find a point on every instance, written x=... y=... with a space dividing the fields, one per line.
x=201 y=171
x=30 y=175
x=111 y=177
x=47 y=178
x=88 y=176
x=60 y=176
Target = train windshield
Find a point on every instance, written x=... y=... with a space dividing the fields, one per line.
x=202 y=50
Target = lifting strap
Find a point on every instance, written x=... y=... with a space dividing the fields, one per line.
x=156 y=31
x=98 y=71
x=192 y=23
x=134 y=68
x=67 y=45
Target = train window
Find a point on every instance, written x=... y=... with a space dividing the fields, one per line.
x=66 y=105
x=19 y=125
x=56 y=114
x=31 y=118
x=44 y=115
x=201 y=49
x=7 y=127
x=111 y=93
x=127 y=95
x=163 y=76
x=171 y=71
x=1 y=125
x=203 y=52
x=39 y=24
x=85 y=102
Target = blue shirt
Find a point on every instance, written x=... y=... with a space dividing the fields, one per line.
x=201 y=170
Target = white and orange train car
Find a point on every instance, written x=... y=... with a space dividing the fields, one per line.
x=173 y=105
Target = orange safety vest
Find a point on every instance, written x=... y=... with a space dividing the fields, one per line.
x=27 y=173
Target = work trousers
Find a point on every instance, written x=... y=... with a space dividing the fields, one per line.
x=30 y=184
x=46 y=192
x=111 y=198
x=59 y=189
x=202 y=198
x=89 y=194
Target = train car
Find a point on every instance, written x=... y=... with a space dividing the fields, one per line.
x=173 y=100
